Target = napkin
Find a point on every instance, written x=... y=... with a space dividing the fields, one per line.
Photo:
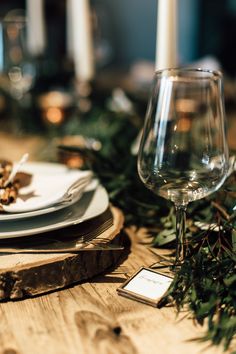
x=49 y=190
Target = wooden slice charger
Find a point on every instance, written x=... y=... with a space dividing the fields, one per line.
x=24 y=275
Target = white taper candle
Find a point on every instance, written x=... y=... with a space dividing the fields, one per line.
x=166 y=46
x=35 y=27
x=81 y=36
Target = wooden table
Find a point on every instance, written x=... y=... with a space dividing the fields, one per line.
x=92 y=318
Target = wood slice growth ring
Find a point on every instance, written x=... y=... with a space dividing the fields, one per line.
x=25 y=275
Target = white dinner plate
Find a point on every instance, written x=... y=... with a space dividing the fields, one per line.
x=42 y=170
x=91 y=204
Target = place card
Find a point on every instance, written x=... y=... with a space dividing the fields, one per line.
x=146 y=285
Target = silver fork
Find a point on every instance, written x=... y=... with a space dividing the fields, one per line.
x=85 y=242
x=76 y=189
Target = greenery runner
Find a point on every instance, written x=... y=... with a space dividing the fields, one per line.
x=206 y=282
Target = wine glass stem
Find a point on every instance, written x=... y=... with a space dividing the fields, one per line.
x=180 y=233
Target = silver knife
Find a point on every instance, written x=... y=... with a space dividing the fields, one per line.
x=65 y=249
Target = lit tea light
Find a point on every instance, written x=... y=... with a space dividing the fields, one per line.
x=76 y=158
x=54 y=115
x=186 y=108
x=184 y=125
x=54 y=105
x=186 y=105
x=55 y=99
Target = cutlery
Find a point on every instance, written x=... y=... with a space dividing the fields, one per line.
x=75 y=191
x=65 y=249
x=87 y=237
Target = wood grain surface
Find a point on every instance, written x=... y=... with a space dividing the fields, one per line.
x=91 y=318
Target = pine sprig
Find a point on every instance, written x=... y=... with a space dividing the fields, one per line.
x=206 y=281
x=207 y=285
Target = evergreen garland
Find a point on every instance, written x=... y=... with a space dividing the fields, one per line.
x=206 y=282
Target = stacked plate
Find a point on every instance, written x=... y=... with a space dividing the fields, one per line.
x=56 y=198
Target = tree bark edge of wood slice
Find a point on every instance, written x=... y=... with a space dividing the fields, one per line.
x=31 y=279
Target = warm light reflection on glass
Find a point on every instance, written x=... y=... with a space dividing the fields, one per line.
x=184 y=125
x=186 y=105
x=193 y=175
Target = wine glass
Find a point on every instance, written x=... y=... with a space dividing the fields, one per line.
x=17 y=72
x=183 y=154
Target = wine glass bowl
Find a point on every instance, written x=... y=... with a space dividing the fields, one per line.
x=17 y=69
x=183 y=154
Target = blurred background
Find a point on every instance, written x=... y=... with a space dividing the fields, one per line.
x=206 y=27
x=41 y=89
x=126 y=31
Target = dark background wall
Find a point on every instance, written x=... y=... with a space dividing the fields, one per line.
x=132 y=26
x=206 y=27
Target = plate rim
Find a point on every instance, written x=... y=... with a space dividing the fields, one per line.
x=55 y=226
